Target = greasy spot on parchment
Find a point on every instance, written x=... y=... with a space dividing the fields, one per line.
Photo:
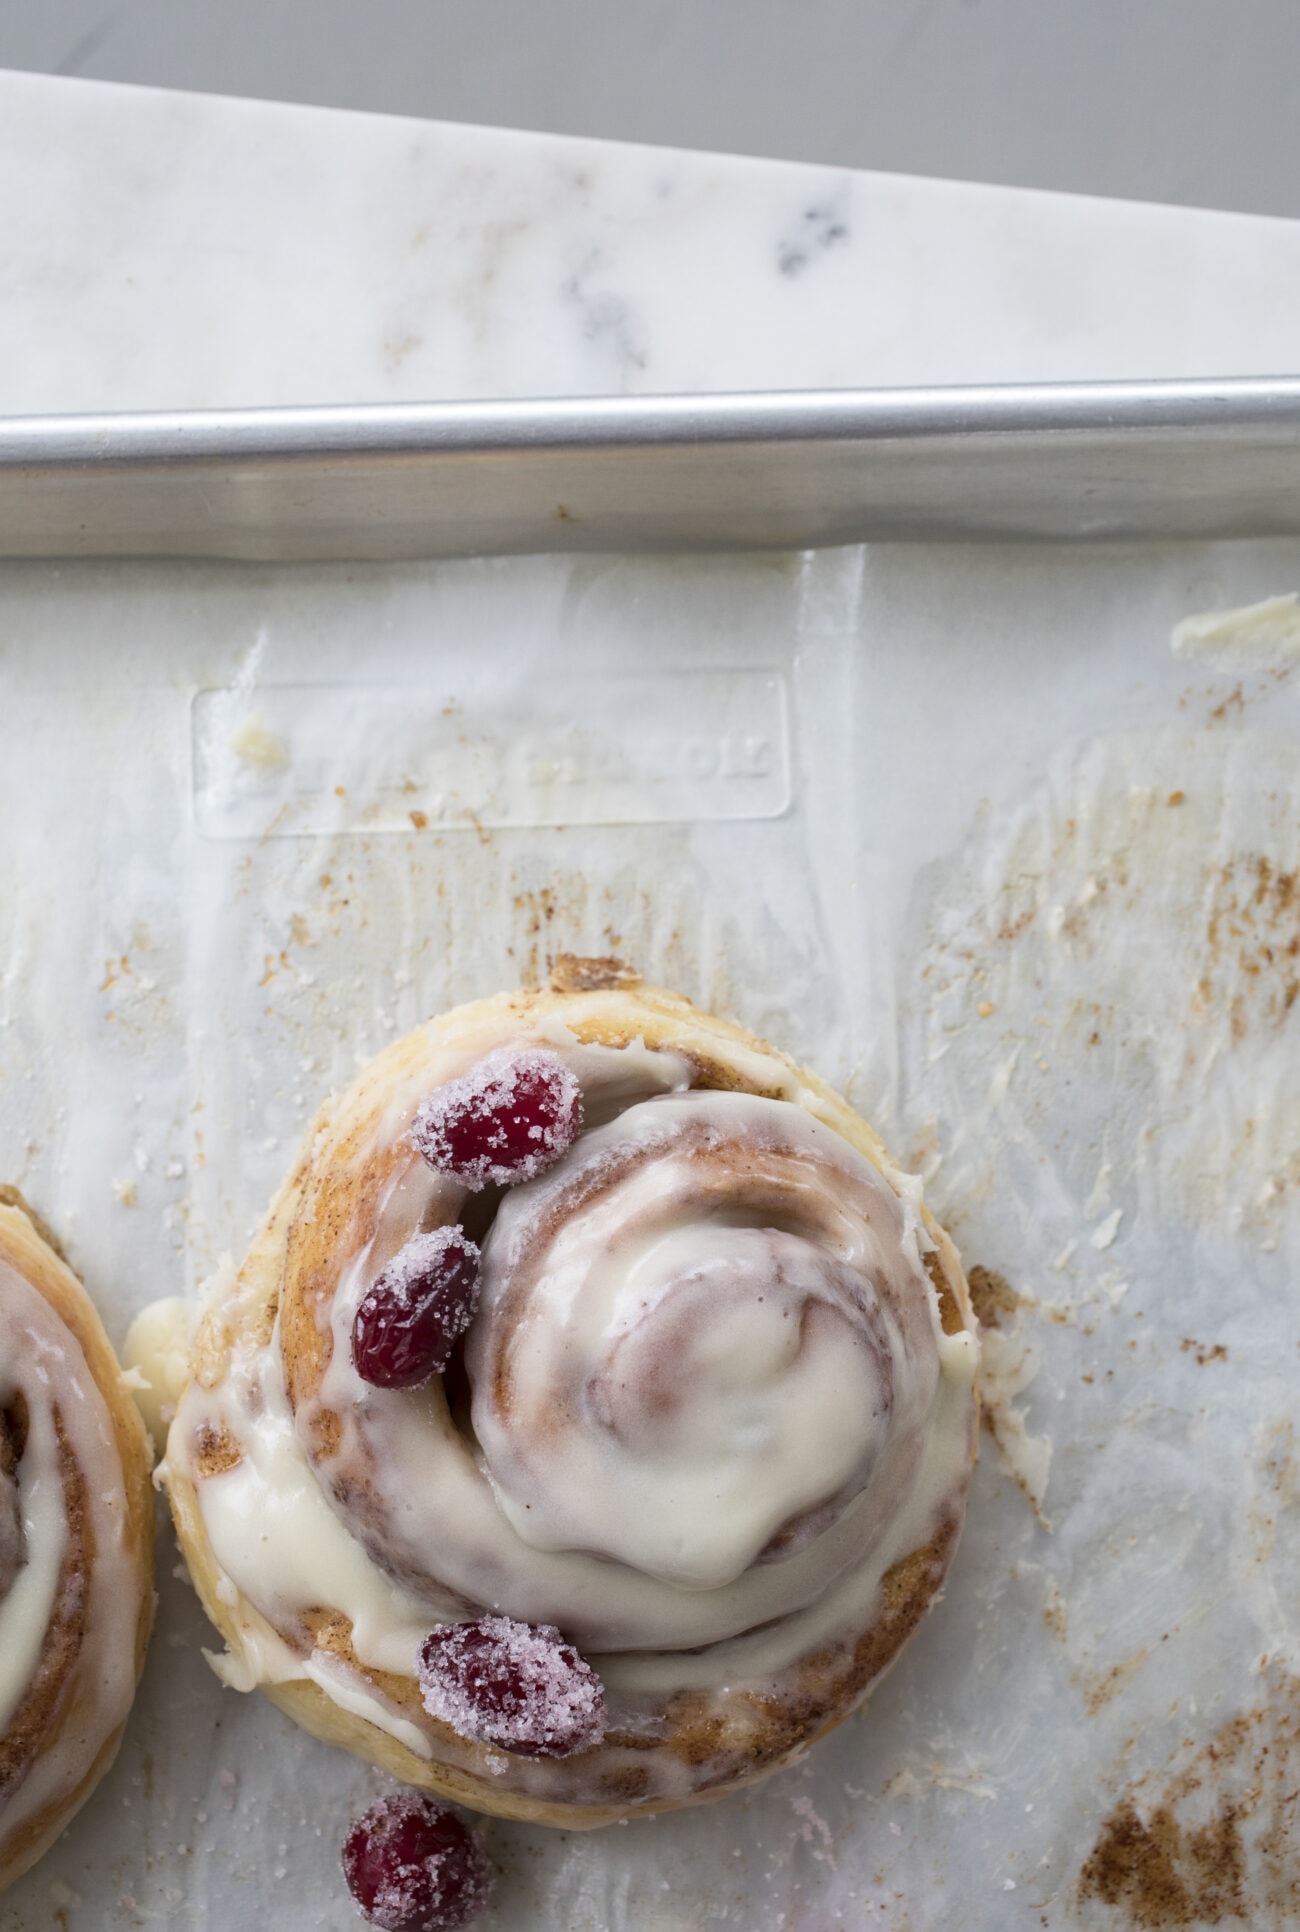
x=1215 y=1837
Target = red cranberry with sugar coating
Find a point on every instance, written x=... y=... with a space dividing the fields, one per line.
x=413 y=1865
x=507 y=1120
x=412 y=1314
x=515 y=1685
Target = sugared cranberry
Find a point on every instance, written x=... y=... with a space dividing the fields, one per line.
x=411 y=1315
x=516 y=1685
x=413 y=1866
x=506 y=1120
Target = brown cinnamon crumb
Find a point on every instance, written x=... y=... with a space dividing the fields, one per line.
x=992 y=1296
x=1204 y=1351
x=1099 y=1687
x=1212 y=1838
x=569 y=973
x=214 y=1450
x=1163 y=1874
x=1233 y=702
x=325 y=1432
x=950 y=1316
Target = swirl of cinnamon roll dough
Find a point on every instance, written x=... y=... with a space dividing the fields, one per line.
x=76 y=1544
x=711 y=1421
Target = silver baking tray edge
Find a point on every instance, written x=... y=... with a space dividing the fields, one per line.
x=788 y=470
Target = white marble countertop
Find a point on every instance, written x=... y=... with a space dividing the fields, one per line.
x=172 y=250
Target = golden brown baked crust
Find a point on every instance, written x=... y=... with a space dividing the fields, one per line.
x=334 y=1203
x=65 y=1728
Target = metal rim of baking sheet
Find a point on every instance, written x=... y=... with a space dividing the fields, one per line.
x=789 y=470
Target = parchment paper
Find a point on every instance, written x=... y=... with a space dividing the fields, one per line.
x=955 y=827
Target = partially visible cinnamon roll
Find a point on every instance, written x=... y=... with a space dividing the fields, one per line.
x=76 y=1544
x=590 y=1423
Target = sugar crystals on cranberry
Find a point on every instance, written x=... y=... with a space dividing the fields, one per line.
x=515 y=1685
x=508 y=1119
x=411 y=1315
x=413 y=1865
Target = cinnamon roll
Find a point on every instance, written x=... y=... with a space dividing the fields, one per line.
x=590 y=1422
x=76 y=1544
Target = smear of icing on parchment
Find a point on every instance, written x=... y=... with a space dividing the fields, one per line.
x=1132 y=938
x=1264 y=634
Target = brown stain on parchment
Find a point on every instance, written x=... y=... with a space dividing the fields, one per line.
x=539 y=914
x=1281 y=1462
x=992 y=1296
x=1205 y=1352
x=1056 y=1613
x=1164 y=1875
x=1252 y=939
x=572 y=973
x=1215 y=1837
x=1100 y=1686
x=1235 y=701
x=1249 y=968
x=997 y=1303
x=549 y=924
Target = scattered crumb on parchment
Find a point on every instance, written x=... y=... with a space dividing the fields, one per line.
x=1212 y=1837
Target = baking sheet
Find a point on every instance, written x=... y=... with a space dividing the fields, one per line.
x=956 y=827
x=774 y=469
